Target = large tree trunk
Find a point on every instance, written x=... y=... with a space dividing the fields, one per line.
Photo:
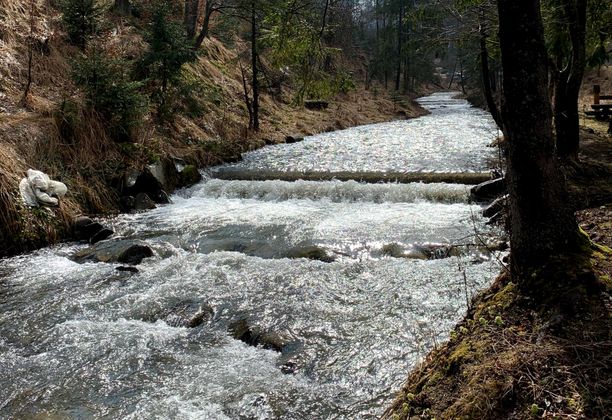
x=542 y=222
x=568 y=81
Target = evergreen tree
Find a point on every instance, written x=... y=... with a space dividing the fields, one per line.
x=110 y=93
x=81 y=19
x=169 y=48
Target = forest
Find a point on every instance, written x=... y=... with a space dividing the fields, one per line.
x=261 y=209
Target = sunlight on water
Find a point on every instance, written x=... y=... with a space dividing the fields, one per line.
x=86 y=340
x=453 y=138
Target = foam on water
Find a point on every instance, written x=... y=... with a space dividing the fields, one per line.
x=85 y=340
x=335 y=191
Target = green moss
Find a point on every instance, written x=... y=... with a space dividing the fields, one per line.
x=434 y=378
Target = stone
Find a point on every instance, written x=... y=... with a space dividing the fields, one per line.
x=81 y=221
x=127 y=269
x=253 y=336
x=496 y=206
x=188 y=314
x=143 y=202
x=122 y=251
x=145 y=182
x=166 y=173
x=127 y=203
x=135 y=254
x=189 y=176
x=316 y=105
x=103 y=234
x=312 y=252
x=293 y=139
x=488 y=190
x=84 y=232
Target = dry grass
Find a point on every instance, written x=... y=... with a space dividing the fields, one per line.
x=86 y=159
x=514 y=358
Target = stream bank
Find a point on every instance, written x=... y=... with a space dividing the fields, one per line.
x=513 y=358
x=96 y=186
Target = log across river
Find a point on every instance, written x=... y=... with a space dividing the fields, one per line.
x=267 y=296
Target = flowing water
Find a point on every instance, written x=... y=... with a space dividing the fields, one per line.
x=85 y=340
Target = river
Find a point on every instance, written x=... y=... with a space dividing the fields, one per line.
x=85 y=340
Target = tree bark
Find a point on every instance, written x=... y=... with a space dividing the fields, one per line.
x=486 y=76
x=399 y=48
x=208 y=11
x=542 y=222
x=568 y=81
x=190 y=19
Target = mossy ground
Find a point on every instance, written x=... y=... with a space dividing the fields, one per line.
x=542 y=354
x=514 y=357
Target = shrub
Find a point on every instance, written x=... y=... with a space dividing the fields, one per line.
x=110 y=93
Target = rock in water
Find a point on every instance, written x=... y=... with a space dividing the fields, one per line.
x=293 y=139
x=102 y=234
x=123 y=251
x=143 y=202
x=312 y=253
x=135 y=254
x=488 y=190
x=189 y=176
x=127 y=269
x=496 y=206
x=253 y=336
x=188 y=314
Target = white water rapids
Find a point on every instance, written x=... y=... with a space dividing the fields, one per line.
x=87 y=341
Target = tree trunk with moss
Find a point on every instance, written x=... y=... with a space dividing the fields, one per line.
x=541 y=218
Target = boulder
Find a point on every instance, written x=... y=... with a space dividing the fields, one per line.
x=84 y=228
x=127 y=203
x=102 y=234
x=488 y=190
x=496 y=206
x=166 y=173
x=316 y=105
x=123 y=251
x=143 y=202
x=293 y=139
x=135 y=254
x=127 y=269
x=145 y=182
x=189 y=176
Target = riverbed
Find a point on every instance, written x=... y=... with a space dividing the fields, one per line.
x=81 y=340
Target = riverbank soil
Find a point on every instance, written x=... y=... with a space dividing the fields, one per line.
x=548 y=356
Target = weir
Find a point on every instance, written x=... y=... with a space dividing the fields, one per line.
x=338 y=282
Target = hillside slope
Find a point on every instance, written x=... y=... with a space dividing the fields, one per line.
x=33 y=130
